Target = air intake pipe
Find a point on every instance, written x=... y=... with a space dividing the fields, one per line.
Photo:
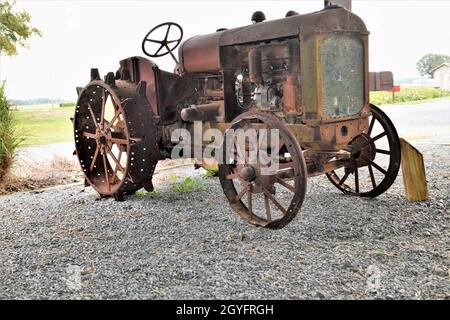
x=204 y=112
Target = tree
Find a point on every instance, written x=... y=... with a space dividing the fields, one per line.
x=15 y=28
x=430 y=61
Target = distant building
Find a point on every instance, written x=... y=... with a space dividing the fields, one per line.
x=441 y=75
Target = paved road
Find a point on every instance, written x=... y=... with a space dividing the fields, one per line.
x=425 y=122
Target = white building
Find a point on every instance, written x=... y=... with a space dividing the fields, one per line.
x=441 y=75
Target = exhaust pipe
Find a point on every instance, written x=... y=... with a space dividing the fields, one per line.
x=347 y=4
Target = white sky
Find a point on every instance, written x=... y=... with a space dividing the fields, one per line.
x=79 y=35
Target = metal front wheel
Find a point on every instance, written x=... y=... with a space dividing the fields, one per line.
x=263 y=193
x=375 y=160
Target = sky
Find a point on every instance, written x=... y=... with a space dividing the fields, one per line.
x=79 y=35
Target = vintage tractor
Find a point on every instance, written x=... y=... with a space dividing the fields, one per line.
x=303 y=77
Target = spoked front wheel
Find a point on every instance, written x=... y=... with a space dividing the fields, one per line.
x=375 y=159
x=264 y=179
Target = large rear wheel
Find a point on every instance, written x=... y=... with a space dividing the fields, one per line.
x=115 y=137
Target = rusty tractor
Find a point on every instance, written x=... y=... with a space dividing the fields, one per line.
x=304 y=77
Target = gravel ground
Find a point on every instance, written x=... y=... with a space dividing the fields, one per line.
x=192 y=246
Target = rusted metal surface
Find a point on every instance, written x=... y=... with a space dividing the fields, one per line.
x=206 y=112
x=201 y=53
x=364 y=153
x=381 y=81
x=113 y=128
x=253 y=183
x=303 y=76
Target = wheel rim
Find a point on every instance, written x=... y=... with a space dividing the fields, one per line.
x=102 y=138
x=375 y=160
x=268 y=200
x=164 y=46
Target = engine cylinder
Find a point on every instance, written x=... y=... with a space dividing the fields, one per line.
x=255 y=66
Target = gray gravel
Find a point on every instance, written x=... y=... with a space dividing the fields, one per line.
x=192 y=246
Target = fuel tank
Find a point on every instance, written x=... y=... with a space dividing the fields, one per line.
x=202 y=53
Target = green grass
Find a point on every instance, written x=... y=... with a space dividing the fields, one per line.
x=408 y=95
x=189 y=185
x=67 y=105
x=10 y=136
x=45 y=125
x=145 y=193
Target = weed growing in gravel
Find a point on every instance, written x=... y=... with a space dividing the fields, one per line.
x=144 y=193
x=379 y=252
x=189 y=185
x=210 y=174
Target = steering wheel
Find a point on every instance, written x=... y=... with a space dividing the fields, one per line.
x=166 y=46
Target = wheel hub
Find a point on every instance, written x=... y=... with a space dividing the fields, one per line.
x=248 y=174
x=102 y=140
x=362 y=150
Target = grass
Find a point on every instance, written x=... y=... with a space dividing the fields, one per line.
x=45 y=124
x=408 y=95
x=145 y=193
x=188 y=185
x=10 y=136
x=36 y=176
x=67 y=105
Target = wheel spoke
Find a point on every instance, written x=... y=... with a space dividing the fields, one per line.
x=116 y=169
x=285 y=184
x=116 y=160
x=92 y=115
x=250 y=202
x=167 y=32
x=286 y=165
x=111 y=123
x=159 y=50
x=378 y=167
x=267 y=205
x=102 y=115
x=341 y=182
x=356 y=179
x=106 y=171
x=372 y=177
x=154 y=41
x=275 y=202
x=232 y=176
x=94 y=159
x=89 y=135
x=372 y=122
x=241 y=194
x=383 y=151
x=119 y=141
x=381 y=135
